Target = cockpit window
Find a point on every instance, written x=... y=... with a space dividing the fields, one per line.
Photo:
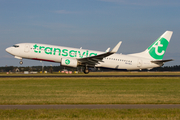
x=15 y=46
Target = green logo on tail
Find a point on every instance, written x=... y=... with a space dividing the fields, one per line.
x=158 y=48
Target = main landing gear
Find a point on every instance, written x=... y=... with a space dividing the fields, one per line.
x=86 y=70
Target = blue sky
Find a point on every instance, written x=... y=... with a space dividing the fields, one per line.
x=91 y=24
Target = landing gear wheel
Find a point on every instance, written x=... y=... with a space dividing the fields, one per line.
x=86 y=71
x=21 y=62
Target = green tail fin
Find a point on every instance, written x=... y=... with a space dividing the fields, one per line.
x=158 y=48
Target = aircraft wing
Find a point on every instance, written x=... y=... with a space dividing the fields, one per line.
x=93 y=60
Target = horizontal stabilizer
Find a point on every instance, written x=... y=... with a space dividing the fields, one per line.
x=161 y=61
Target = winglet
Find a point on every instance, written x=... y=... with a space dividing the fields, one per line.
x=107 y=50
x=115 y=49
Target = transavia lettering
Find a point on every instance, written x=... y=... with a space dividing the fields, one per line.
x=62 y=52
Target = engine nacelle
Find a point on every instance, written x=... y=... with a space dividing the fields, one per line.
x=69 y=62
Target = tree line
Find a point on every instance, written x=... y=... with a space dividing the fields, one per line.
x=62 y=68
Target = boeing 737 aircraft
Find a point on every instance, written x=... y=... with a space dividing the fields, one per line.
x=73 y=57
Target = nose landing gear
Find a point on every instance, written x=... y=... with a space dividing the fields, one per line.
x=21 y=62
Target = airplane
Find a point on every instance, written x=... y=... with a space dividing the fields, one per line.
x=73 y=57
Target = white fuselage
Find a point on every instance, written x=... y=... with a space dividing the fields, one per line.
x=53 y=53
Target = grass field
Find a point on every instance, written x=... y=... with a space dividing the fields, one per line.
x=89 y=91
x=91 y=114
x=158 y=90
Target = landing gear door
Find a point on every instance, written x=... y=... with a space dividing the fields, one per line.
x=26 y=49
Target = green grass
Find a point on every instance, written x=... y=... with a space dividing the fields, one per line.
x=89 y=91
x=91 y=114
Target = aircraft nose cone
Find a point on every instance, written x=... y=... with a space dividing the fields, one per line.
x=8 y=49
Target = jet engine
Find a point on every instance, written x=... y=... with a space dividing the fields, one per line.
x=69 y=62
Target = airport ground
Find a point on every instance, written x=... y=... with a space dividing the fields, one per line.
x=91 y=91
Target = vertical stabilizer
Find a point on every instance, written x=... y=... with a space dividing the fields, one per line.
x=157 y=50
